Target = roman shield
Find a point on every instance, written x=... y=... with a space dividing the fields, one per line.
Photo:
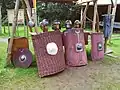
x=74 y=44
x=97 y=46
x=49 y=53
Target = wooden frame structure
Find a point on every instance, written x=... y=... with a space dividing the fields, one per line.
x=28 y=17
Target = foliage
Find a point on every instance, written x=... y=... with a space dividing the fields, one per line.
x=52 y=11
x=58 y=11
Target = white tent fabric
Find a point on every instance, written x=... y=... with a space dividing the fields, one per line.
x=100 y=2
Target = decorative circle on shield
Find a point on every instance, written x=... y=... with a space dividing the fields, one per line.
x=100 y=48
x=52 y=48
x=22 y=58
x=79 y=47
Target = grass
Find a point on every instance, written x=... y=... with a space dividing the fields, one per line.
x=20 y=31
x=12 y=78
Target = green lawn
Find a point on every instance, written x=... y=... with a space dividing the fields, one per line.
x=12 y=78
x=20 y=31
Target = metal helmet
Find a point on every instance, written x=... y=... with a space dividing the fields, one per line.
x=31 y=24
x=68 y=22
x=45 y=22
x=56 y=22
x=77 y=22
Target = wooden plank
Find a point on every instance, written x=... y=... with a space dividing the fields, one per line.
x=83 y=2
x=13 y=32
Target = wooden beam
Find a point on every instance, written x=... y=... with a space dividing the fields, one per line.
x=25 y=12
x=81 y=16
x=84 y=16
x=94 y=17
x=85 y=2
x=29 y=15
x=13 y=32
x=113 y=18
x=97 y=22
x=109 y=9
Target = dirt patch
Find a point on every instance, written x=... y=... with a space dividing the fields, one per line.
x=94 y=76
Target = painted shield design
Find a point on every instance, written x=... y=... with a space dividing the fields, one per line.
x=22 y=58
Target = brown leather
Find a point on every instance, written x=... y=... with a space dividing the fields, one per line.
x=19 y=42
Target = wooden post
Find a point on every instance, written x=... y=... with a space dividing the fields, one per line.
x=109 y=9
x=17 y=29
x=4 y=28
x=9 y=29
x=113 y=19
x=106 y=39
x=24 y=29
x=81 y=16
x=97 y=22
x=28 y=14
x=13 y=31
x=0 y=20
x=94 y=17
x=84 y=16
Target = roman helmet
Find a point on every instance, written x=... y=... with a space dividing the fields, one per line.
x=77 y=24
x=68 y=24
x=43 y=25
x=56 y=25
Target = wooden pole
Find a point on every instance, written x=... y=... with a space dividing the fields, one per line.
x=106 y=39
x=83 y=23
x=28 y=13
x=13 y=31
x=25 y=12
x=0 y=21
x=113 y=19
x=109 y=9
x=94 y=17
x=9 y=29
x=81 y=16
x=97 y=22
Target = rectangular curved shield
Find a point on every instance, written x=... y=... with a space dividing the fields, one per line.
x=74 y=44
x=49 y=53
x=97 y=46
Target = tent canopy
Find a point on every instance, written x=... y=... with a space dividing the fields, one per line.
x=59 y=1
x=100 y=2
